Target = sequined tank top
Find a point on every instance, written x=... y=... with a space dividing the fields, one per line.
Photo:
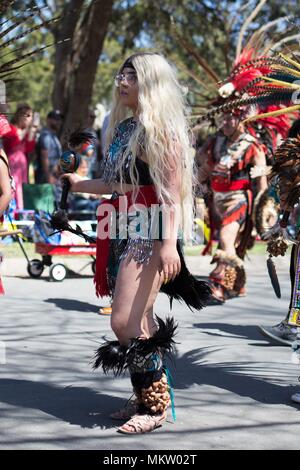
x=114 y=156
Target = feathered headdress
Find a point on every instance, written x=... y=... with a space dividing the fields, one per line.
x=267 y=84
x=259 y=83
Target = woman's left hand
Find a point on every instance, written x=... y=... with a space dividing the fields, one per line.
x=170 y=261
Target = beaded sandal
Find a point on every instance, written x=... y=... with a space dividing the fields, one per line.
x=142 y=423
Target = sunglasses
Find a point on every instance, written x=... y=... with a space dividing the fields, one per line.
x=129 y=77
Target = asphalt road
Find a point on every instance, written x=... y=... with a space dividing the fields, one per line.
x=232 y=387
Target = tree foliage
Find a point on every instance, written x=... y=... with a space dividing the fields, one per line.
x=62 y=76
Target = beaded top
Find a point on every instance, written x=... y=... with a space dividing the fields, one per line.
x=114 y=156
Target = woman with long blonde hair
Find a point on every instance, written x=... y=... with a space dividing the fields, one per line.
x=148 y=170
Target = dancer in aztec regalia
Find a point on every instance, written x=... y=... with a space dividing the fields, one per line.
x=232 y=162
x=275 y=94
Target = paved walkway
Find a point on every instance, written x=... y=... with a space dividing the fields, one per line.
x=232 y=387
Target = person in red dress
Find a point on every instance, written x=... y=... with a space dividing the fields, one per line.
x=18 y=143
x=5 y=181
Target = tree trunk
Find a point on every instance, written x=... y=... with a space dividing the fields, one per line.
x=76 y=60
x=65 y=31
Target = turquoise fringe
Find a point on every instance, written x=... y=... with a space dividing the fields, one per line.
x=170 y=383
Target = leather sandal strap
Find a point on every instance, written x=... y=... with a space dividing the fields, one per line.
x=144 y=423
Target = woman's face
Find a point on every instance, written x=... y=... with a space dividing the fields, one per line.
x=127 y=84
x=25 y=120
x=231 y=124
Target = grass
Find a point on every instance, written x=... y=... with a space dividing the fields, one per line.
x=13 y=250
x=260 y=248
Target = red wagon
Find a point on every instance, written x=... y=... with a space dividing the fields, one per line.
x=58 y=271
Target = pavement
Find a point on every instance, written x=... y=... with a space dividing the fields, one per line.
x=232 y=386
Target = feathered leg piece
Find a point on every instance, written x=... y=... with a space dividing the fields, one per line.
x=231 y=283
x=147 y=370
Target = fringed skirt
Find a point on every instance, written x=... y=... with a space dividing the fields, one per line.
x=185 y=287
x=138 y=248
x=232 y=206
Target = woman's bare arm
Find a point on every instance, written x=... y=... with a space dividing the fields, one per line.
x=95 y=186
x=5 y=187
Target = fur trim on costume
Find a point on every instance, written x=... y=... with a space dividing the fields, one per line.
x=222 y=257
x=111 y=356
x=187 y=288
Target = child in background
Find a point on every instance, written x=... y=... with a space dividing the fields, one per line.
x=84 y=201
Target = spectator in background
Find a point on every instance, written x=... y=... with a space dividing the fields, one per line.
x=96 y=158
x=49 y=149
x=18 y=143
x=6 y=181
x=84 y=201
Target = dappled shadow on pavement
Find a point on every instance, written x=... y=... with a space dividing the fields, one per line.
x=75 y=405
x=262 y=383
x=232 y=331
x=72 y=304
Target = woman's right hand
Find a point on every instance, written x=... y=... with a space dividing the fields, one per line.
x=73 y=179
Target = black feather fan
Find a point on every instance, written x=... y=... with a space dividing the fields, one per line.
x=187 y=288
x=59 y=221
x=80 y=136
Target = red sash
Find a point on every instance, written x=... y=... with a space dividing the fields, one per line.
x=146 y=195
x=232 y=186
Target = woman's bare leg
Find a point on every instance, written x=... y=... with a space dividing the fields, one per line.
x=149 y=324
x=228 y=235
x=136 y=289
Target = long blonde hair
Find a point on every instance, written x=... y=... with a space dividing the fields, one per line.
x=162 y=132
